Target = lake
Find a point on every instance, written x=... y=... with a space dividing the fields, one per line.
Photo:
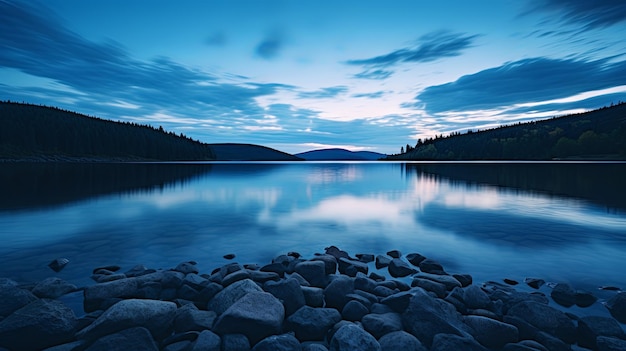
x=563 y=222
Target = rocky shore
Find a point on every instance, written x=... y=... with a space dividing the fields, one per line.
x=331 y=301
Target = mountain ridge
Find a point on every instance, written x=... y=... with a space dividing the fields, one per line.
x=339 y=154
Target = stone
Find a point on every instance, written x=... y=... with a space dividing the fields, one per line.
x=289 y=292
x=606 y=343
x=237 y=276
x=256 y=315
x=491 y=333
x=277 y=268
x=551 y=342
x=415 y=259
x=187 y=267
x=398 y=268
x=354 y=310
x=178 y=346
x=227 y=297
x=284 y=342
x=474 y=297
x=13 y=298
x=52 y=287
x=313 y=296
x=545 y=318
x=430 y=285
x=295 y=275
x=335 y=293
x=431 y=266
x=235 y=342
x=138 y=271
x=307 y=346
x=312 y=324
x=186 y=292
x=94 y=295
x=262 y=277
x=70 y=346
x=313 y=271
x=365 y=258
x=510 y=281
x=398 y=301
x=589 y=328
x=464 y=279
x=229 y=256
x=376 y=277
x=208 y=292
x=156 y=316
x=585 y=298
x=534 y=283
x=448 y=342
x=58 y=264
x=345 y=264
x=207 y=341
x=449 y=281
x=330 y=263
x=382 y=261
x=564 y=295
x=383 y=291
x=362 y=282
x=352 y=338
x=367 y=299
x=400 y=341
x=190 y=318
x=617 y=306
x=427 y=316
x=381 y=324
x=37 y=325
x=336 y=252
x=137 y=339
x=394 y=254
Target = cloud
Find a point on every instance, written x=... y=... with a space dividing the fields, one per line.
x=324 y=93
x=524 y=81
x=590 y=14
x=270 y=47
x=430 y=47
x=374 y=95
x=378 y=74
x=216 y=39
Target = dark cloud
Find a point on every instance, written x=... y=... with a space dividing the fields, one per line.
x=430 y=47
x=589 y=14
x=529 y=80
x=270 y=47
x=324 y=93
x=379 y=74
x=374 y=95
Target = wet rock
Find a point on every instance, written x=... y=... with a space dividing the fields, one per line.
x=352 y=338
x=313 y=271
x=58 y=264
x=365 y=298
x=362 y=282
x=336 y=252
x=156 y=316
x=354 y=310
x=617 y=306
x=345 y=265
x=190 y=318
x=138 y=271
x=289 y=292
x=376 y=277
x=398 y=268
x=564 y=295
x=229 y=256
x=545 y=318
x=551 y=342
x=13 y=298
x=235 y=342
x=448 y=342
x=449 y=281
x=589 y=328
x=534 y=283
x=228 y=269
x=394 y=254
x=365 y=258
x=415 y=259
x=313 y=347
x=431 y=266
x=52 y=288
x=96 y=294
x=383 y=291
x=313 y=296
x=284 y=342
x=464 y=279
x=525 y=345
x=606 y=343
x=474 y=297
x=186 y=292
x=312 y=323
x=398 y=302
x=256 y=315
x=585 y=298
x=187 y=267
x=430 y=285
x=136 y=338
x=106 y=269
x=381 y=324
x=207 y=341
x=262 y=277
x=400 y=341
x=70 y=346
x=235 y=277
x=195 y=281
x=382 y=261
x=490 y=332
x=510 y=281
x=277 y=268
x=330 y=263
x=227 y=297
x=335 y=293
x=40 y=324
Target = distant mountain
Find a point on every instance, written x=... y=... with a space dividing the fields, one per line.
x=340 y=155
x=249 y=152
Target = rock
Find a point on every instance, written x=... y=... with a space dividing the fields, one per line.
x=449 y=281
x=398 y=302
x=589 y=328
x=313 y=271
x=227 y=297
x=431 y=266
x=313 y=296
x=510 y=281
x=186 y=292
x=207 y=341
x=352 y=338
x=237 y=276
x=490 y=332
x=415 y=259
x=178 y=346
x=525 y=345
x=430 y=285
x=335 y=293
x=289 y=292
x=138 y=270
x=345 y=264
x=190 y=318
x=354 y=310
x=382 y=261
x=156 y=316
x=551 y=342
x=70 y=346
x=383 y=291
x=545 y=318
x=13 y=298
x=427 y=316
x=362 y=282
x=464 y=279
x=94 y=295
x=256 y=315
x=229 y=256
x=617 y=306
x=474 y=297
x=109 y=269
x=277 y=268
x=137 y=339
x=381 y=324
x=262 y=277
x=400 y=341
x=534 y=283
x=58 y=264
x=335 y=252
x=398 y=268
x=187 y=267
x=235 y=342
x=449 y=342
x=330 y=263
x=564 y=295
x=52 y=287
x=284 y=342
x=295 y=275
x=394 y=254
x=311 y=324
x=313 y=347
x=585 y=298
x=365 y=258
x=606 y=343
x=376 y=277
x=40 y=324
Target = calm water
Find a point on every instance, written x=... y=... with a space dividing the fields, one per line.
x=559 y=222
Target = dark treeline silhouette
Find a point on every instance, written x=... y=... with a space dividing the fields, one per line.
x=32 y=131
x=598 y=134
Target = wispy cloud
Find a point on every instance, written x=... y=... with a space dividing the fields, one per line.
x=324 y=93
x=590 y=14
x=270 y=47
x=430 y=47
x=374 y=95
x=378 y=74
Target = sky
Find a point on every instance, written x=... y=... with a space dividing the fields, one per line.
x=300 y=75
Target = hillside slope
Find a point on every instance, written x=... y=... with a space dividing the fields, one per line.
x=336 y=154
x=249 y=152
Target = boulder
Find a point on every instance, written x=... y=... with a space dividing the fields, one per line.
x=545 y=318
x=137 y=339
x=394 y=254
x=382 y=261
x=346 y=266
x=235 y=342
x=415 y=259
x=490 y=332
x=437 y=288
x=448 y=342
x=311 y=324
x=474 y=297
x=354 y=310
x=589 y=328
x=53 y=287
x=95 y=295
x=13 y=298
x=398 y=301
x=362 y=282
x=431 y=266
x=398 y=268
x=606 y=343
x=237 y=276
x=563 y=294
x=585 y=298
x=383 y=291
x=187 y=267
x=617 y=306
x=308 y=346
x=525 y=345
x=335 y=293
x=330 y=263
x=227 y=297
x=257 y=315
x=156 y=316
x=262 y=277
x=352 y=338
x=190 y=318
x=284 y=342
x=400 y=341
x=313 y=271
x=40 y=324
x=381 y=324
x=289 y=292
x=365 y=258
x=313 y=296
x=207 y=341
x=449 y=281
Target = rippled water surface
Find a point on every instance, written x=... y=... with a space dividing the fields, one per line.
x=559 y=222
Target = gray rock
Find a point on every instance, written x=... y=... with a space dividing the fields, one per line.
x=312 y=324
x=394 y=254
x=284 y=342
x=289 y=292
x=227 y=297
x=449 y=281
x=564 y=295
x=186 y=292
x=525 y=345
x=474 y=297
x=95 y=295
x=58 y=264
x=156 y=316
x=382 y=261
x=381 y=324
x=354 y=310
x=589 y=328
x=195 y=281
x=13 y=298
x=362 y=282
x=313 y=271
x=363 y=297
x=545 y=318
x=172 y=279
x=190 y=318
x=398 y=301
x=313 y=296
x=262 y=277
x=178 y=346
x=427 y=316
x=448 y=342
x=534 y=283
x=551 y=342
x=40 y=324
x=585 y=298
x=235 y=342
x=236 y=276
x=398 y=268
x=256 y=315
x=345 y=263
x=52 y=287
x=138 y=270
x=464 y=279
x=299 y=278
x=430 y=285
x=606 y=343
x=383 y=291
x=415 y=259
x=313 y=347
x=352 y=338
x=330 y=263
x=187 y=267
x=617 y=306
x=335 y=293
x=336 y=252
x=137 y=339
x=490 y=332
x=70 y=346
x=365 y=258
x=379 y=308
x=400 y=341
x=207 y=341
x=431 y=266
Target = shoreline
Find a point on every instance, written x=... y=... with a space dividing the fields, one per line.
x=331 y=301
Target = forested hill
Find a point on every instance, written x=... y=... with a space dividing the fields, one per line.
x=598 y=134
x=46 y=133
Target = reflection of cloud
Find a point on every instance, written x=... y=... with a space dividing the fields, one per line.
x=325 y=175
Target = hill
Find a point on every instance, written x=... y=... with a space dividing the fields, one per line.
x=340 y=155
x=598 y=134
x=249 y=152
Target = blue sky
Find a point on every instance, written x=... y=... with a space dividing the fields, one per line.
x=303 y=75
